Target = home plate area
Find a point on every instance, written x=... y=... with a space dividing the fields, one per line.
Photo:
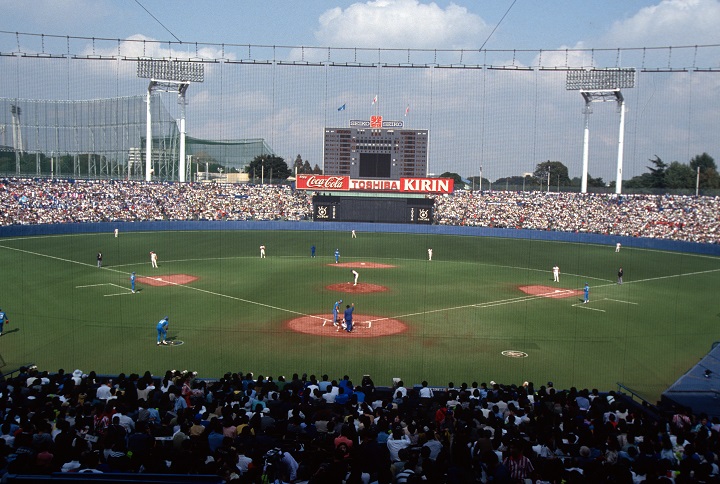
x=549 y=291
x=365 y=326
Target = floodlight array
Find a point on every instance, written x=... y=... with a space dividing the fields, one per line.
x=171 y=70
x=600 y=79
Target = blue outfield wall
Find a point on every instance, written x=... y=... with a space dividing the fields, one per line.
x=89 y=228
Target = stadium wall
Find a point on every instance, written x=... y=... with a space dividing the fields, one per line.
x=578 y=238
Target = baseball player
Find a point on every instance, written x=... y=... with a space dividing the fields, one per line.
x=430 y=253
x=556 y=274
x=335 y=312
x=116 y=233
x=337 y=255
x=3 y=320
x=355 y=275
x=153 y=259
x=353 y=235
x=132 y=282
x=617 y=247
x=586 y=293
x=162 y=328
x=312 y=251
x=348 y=317
x=262 y=252
x=99 y=259
x=620 y=275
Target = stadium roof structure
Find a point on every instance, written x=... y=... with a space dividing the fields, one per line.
x=699 y=388
x=231 y=153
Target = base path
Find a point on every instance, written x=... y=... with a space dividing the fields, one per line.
x=167 y=280
x=362 y=265
x=365 y=326
x=549 y=291
x=361 y=288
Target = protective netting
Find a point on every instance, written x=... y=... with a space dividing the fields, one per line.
x=491 y=113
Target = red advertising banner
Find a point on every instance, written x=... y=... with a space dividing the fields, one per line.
x=330 y=183
x=322 y=182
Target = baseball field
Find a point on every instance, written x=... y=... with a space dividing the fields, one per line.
x=483 y=309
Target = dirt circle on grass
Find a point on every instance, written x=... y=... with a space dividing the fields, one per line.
x=361 y=288
x=549 y=291
x=167 y=280
x=363 y=265
x=365 y=326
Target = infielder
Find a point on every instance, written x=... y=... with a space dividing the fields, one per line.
x=3 y=320
x=99 y=259
x=556 y=274
x=356 y=275
x=132 y=282
x=586 y=293
x=337 y=255
x=335 y=312
x=262 y=252
x=162 y=327
x=153 y=259
x=348 y=318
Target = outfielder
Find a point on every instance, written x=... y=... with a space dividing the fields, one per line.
x=430 y=253
x=153 y=259
x=162 y=327
x=556 y=274
x=617 y=247
x=262 y=252
x=355 y=275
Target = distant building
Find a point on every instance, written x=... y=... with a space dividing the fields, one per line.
x=375 y=152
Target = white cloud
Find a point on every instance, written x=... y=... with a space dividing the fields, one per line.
x=401 y=24
x=670 y=22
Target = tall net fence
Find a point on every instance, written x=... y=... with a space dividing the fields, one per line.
x=79 y=102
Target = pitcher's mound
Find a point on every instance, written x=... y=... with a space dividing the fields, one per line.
x=361 y=288
x=362 y=265
x=549 y=291
x=365 y=326
x=167 y=280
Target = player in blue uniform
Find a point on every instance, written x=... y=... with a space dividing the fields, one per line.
x=162 y=327
x=4 y=319
x=132 y=282
x=348 y=317
x=336 y=311
x=337 y=255
x=586 y=292
x=312 y=251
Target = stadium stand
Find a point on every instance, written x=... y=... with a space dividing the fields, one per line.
x=246 y=429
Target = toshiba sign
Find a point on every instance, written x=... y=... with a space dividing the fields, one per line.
x=403 y=185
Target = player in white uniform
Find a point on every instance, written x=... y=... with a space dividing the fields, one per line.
x=617 y=247
x=430 y=253
x=262 y=252
x=153 y=259
x=356 y=275
x=353 y=235
x=556 y=274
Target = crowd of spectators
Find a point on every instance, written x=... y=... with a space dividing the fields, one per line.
x=247 y=429
x=32 y=201
x=675 y=217
x=37 y=201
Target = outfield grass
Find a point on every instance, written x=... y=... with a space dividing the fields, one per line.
x=463 y=309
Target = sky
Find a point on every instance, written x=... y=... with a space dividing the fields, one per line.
x=403 y=24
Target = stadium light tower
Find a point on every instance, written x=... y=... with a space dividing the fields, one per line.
x=18 y=145
x=168 y=76
x=601 y=85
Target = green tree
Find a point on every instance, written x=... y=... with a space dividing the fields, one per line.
x=298 y=165
x=274 y=166
x=306 y=167
x=475 y=182
x=709 y=177
x=657 y=173
x=556 y=169
x=317 y=170
x=459 y=183
x=678 y=175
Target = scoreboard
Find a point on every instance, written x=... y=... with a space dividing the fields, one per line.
x=328 y=208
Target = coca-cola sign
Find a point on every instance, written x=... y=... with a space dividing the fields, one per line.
x=323 y=182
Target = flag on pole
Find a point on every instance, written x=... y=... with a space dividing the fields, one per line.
x=374 y=100
x=407 y=110
x=341 y=108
